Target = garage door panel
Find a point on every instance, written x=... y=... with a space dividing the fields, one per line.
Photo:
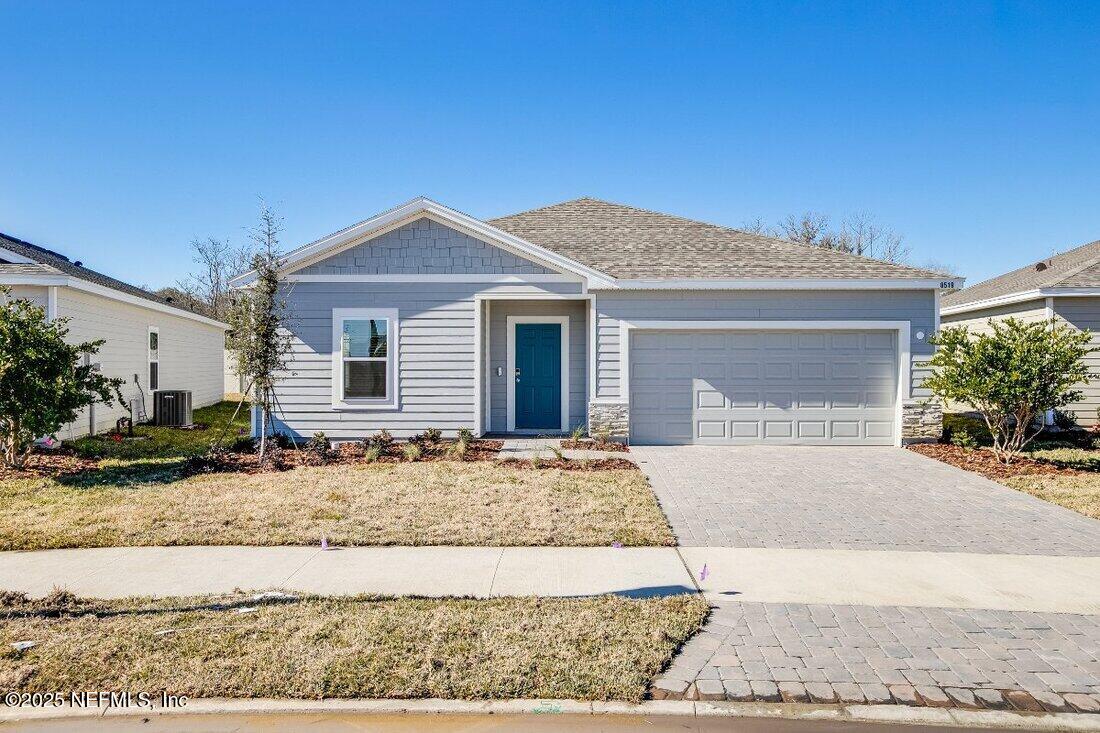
x=734 y=387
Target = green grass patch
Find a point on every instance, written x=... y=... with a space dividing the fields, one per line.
x=162 y=442
x=605 y=648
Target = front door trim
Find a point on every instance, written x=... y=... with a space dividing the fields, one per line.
x=510 y=374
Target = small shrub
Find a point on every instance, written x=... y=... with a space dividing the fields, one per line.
x=371 y=453
x=281 y=439
x=1065 y=420
x=536 y=462
x=465 y=435
x=557 y=453
x=577 y=432
x=432 y=435
x=604 y=436
x=457 y=451
x=411 y=451
x=382 y=439
x=961 y=438
x=319 y=444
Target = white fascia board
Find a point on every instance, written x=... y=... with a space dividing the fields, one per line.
x=87 y=286
x=473 y=277
x=1020 y=297
x=771 y=284
x=34 y=279
x=417 y=208
x=16 y=258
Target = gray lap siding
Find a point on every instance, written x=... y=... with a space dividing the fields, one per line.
x=436 y=355
x=916 y=306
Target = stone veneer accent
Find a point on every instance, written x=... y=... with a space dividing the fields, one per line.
x=921 y=421
x=612 y=418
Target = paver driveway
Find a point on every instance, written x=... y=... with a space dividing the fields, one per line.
x=852 y=498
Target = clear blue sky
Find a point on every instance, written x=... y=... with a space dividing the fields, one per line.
x=128 y=129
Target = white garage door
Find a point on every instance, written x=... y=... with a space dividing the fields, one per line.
x=745 y=387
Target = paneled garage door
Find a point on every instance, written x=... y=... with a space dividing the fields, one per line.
x=781 y=387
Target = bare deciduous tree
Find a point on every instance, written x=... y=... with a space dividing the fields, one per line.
x=217 y=262
x=858 y=234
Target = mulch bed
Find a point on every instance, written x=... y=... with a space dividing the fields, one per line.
x=347 y=454
x=53 y=463
x=982 y=461
x=610 y=446
x=572 y=464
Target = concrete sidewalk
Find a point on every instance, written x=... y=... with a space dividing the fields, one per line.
x=947 y=580
x=423 y=571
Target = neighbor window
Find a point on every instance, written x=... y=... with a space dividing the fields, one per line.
x=363 y=351
x=154 y=357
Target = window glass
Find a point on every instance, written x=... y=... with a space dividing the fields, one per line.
x=154 y=341
x=365 y=379
x=365 y=338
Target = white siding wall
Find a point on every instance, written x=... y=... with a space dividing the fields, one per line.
x=191 y=353
x=37 y=294
x=1084 y=313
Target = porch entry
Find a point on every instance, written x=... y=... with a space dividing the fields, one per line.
x=538 y=383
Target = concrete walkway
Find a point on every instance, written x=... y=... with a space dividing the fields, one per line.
x=921 y=579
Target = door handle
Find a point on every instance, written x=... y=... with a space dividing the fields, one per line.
x=517 y=374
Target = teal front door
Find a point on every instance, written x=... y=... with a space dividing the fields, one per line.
x=538 y=376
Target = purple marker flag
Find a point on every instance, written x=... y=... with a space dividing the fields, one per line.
x=704 y=572
x=324 y=542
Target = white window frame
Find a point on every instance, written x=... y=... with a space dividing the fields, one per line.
x=393 y=379
x=149 y=361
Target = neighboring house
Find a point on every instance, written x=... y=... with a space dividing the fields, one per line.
x=150 y=343
x=642 y=325
x=1064 y=287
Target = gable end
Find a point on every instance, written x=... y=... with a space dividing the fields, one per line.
x=424 y=247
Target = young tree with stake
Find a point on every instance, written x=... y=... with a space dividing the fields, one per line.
x=257 y=339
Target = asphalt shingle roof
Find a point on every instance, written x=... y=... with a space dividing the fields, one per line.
x=59 y=263
x=635 y=244
x=1077 y=268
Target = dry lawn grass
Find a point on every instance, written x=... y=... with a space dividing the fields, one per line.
x=1081 y=493
x=441 y=503
x=605 y=648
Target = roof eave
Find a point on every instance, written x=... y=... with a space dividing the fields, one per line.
x=774 y=284
x=71 y=281
x=1020 y=296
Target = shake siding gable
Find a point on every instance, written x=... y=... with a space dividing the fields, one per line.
x=424 y=247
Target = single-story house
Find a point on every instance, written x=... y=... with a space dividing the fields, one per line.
x=640 y=325
x=150 y=343
x=1064 y=287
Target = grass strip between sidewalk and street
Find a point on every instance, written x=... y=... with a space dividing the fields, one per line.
x=601 y=648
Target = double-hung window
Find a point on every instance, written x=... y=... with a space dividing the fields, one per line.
x=154 y=357
x=364 y=358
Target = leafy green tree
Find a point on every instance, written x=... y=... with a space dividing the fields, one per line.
x=43 y=383
x=1011 y=375
x=257 y=338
